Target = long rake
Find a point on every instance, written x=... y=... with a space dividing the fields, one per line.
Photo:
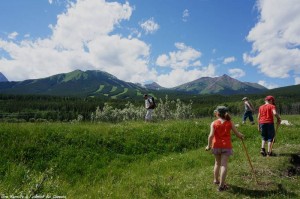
x=249 y=161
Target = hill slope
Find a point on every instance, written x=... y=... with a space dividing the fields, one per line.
x=220 y=85
x=287 y=90
x=76 y=83
x=3 y=78
x=154 y=86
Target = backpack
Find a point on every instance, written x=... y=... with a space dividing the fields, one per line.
x=153 y=104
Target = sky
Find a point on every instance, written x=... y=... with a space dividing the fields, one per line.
x=170 y=42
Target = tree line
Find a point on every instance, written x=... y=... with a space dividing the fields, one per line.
x=38 y=108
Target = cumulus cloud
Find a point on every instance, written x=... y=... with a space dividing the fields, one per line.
x=149 y=26
x=275 y=39
x=297 y=80
x=180 y=76
x=13 y=35
x=185 y=15
x=81 y=39
x=236 y=73
x=228 y=60
x=184 y=65
x=268 y=85
x=184 y=57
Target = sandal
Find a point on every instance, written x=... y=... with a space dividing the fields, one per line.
x=216 y=182
x=223 y=188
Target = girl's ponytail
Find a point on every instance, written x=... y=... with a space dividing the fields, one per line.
x=227 y=117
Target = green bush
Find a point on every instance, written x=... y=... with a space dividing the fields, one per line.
x=166 y=110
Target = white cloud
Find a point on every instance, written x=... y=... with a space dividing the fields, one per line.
x=228 y=60
x=185 y=66
x=134 y=33
x=180 y=76
x=184 y=57
x=268 y=85
x=185 y=15
x=297 y=80
x=50 y=1
x=13 y=35
x=275 y=38
x=81 y=39
x=236 y=73
x=149 y=26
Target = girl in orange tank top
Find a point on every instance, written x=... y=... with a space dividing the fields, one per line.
x=219 y=141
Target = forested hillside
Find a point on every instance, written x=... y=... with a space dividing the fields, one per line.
x=50 y=108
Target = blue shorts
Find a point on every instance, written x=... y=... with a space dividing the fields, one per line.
x=267 y=131
x=221 y=151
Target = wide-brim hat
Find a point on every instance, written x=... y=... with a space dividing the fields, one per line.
x=245 y=98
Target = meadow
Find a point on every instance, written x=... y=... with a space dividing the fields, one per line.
x=141 y=160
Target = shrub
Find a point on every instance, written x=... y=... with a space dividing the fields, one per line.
x=165 y=110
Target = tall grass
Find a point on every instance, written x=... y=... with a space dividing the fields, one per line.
x=139 y=160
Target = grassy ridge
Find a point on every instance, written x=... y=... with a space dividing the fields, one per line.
x=84 y=151
x=138 y=160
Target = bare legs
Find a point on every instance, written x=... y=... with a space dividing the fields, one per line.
x=220 y=169
x=263 y=143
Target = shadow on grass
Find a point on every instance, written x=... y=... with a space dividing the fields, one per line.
x=262 y=193
x=283 y=154
x=293 y=170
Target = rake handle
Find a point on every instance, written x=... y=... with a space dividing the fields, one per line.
x=276 y=130
x=249 y=161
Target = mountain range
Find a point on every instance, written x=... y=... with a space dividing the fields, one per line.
x=76 y=83
x=99 y=83
x=224 y=85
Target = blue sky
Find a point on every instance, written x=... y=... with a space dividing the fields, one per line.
x=166 y=41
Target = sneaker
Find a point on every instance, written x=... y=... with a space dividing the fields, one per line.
x=270 y=154
x=223 y=188
x=263 y=152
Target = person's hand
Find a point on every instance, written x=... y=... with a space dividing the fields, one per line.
x=207 y=148
x=279 y=121
x=241 y=136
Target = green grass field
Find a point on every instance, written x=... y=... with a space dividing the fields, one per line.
x=141 y=160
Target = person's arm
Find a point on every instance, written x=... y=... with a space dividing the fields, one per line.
x=277 y=116
x=210 y=137
x=236 y=132
x=258 y=116
x=249 y=105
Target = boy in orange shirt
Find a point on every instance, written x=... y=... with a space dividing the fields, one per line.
x=219 y=140
x=265 y=118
